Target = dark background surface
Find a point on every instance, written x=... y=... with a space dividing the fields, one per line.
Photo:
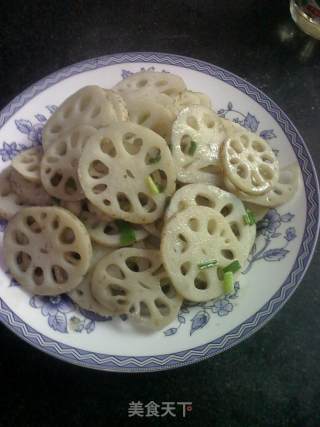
x=273 y=378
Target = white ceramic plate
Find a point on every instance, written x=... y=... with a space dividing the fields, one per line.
x=281 y=254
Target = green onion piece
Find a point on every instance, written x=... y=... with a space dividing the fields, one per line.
x=208 y=264
x=249 y=218
x=155 y=159
x=192 y=148
x=127 y=233
x=234 y=266
x=152 y=186
x=228 y=282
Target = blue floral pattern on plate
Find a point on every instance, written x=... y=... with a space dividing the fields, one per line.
x=65 y=316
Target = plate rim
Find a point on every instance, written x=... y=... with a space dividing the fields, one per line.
x=253 y=323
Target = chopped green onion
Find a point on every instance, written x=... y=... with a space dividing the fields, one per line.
x=249 y=218
x=127 y=233
x=228 y=282
x=192 y=148
x=155 y=159
x=152 y=186
x=208 y=264
x=233 y=267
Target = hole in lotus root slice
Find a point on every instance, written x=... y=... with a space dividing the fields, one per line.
x=88 y=106
x=23 y=261
x=67 y=236
x=60 y=178
x=38 y=276
x=144 y=310
x=215 y=241
x=228 y=254
x=160 y=179
x=186 y=144
x=167 y=288
x=197 y=137
x=107 y=147
x=72 y=257
x=97 y=169
x=131 y=143
x=227 y=209
x=244 y=162
x=138 y=264
x=162 y=306
x=181 y=244
x=212 y=226
x=193 y=122
x=58 y=253
x=32 y=224
x=99 y=188
x=166 y=83
x=185 y=268
x=202 y=200
x=235 y=229
x=27 y=163
x=59 y=274
x=116 y=290
x=153 y=156
x=127 y=175
x=193 y=224
x=200 y=281
x=147 y=202
x=115 y=271
x=21 y=238
x=124 y=202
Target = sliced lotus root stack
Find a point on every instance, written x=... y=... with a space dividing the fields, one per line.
x=161 y=82
x=249 y=163
x=10 y=202
x=221 y=201
x=59 y=165
x=188 y=98
x=30 y=193
x=149 y=113
x=282 y=192
x=90 y=105
x=27 y=163
x=195 y=236
x=197 y=135
x=115 y=172
x=133 y=281
x=82 y=294
x=47 y=250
